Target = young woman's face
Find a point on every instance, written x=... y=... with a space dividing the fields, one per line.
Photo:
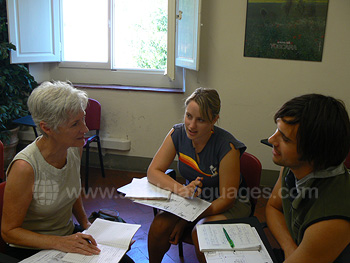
x=196 y=127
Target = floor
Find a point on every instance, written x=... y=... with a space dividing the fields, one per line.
x=103 y=194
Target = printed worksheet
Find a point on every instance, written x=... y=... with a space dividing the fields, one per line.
x=46 y=256
x=186 y=208
x=108 y=255
x=140 y=188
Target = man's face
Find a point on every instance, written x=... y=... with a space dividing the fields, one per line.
x=284 y=142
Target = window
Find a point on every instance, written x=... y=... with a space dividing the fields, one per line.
x=85 y=31
x=138 y=35
x=49 y=37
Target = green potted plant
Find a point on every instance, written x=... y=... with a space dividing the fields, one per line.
x=16 y=83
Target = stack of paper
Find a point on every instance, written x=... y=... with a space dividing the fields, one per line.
x=140 y=188
x=186 y=208
x=143 y=192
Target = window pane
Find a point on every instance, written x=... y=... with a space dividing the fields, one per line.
x=140 y=34
x=85 y=30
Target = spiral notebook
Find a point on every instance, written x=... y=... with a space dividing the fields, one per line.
x=238 y=237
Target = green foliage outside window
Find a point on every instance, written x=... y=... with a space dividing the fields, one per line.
x=152 y=53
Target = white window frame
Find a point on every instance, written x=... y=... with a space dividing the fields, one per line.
x=23 y=23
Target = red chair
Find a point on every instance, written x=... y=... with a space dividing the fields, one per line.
x=251 y=170
x=93 y=120
x=2 y=189
x=2 y=172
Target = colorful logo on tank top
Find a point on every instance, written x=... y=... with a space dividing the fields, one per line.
x=213 y=170
x=193 y=164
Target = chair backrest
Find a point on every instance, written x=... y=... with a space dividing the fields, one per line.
x=2 y=189
x=2 y=172
x=251 y=170
x=93 y=114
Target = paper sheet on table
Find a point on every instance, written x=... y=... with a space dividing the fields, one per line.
x=186 y=208
x=46 y=256
x=140 y=188
x=261 y=256
x=107 y=255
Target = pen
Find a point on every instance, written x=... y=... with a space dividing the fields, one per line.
x=228 y=238
x=195 y=189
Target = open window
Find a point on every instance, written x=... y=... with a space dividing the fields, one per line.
x=35 y=28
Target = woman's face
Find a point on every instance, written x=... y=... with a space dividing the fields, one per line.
x=196 y=127
x=72 y=132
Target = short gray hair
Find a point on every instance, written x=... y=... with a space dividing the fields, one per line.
x=55 y=102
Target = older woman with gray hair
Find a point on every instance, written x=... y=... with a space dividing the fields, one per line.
x=39 y=199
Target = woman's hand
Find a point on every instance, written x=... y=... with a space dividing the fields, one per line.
x=192 y=189
x=79 y=243
x=177 y=232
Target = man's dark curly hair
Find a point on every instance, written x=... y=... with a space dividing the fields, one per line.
x=323 y=137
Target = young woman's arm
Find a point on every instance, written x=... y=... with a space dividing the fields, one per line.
x=160 y=163
x=228 y=184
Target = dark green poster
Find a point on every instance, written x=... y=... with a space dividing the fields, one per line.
x=286 y=29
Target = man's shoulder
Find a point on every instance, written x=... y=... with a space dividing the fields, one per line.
x=331 y=237
x=330 y=200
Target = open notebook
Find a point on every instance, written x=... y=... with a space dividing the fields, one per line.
x=113 y=238
x=238 y=237
x=229 y=256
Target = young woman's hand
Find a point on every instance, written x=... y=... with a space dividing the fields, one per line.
x=193 y=189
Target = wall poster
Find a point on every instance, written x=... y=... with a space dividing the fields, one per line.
x=286 y=29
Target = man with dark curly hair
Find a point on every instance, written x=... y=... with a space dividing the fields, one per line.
x=309 y=209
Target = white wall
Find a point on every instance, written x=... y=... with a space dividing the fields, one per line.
x=251 y=89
